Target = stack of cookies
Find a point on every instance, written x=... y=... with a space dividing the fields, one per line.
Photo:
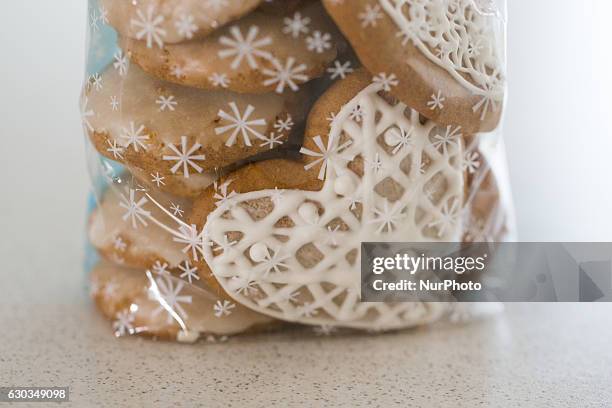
x=247 y=149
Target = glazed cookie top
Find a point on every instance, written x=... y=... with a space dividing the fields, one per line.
x=157 y=22
x=161 y=127
x=445 y=56
x=259 y=53
x=285 y=236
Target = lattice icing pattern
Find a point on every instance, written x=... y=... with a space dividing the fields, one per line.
x=460 y=36
x=387 y=177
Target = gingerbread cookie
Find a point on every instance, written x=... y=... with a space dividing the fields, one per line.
x=157 y=22
x=259 y=53
x=176 y=184
x=284 y=237
x=163 y=128
x=444 y=56
x=164 y=306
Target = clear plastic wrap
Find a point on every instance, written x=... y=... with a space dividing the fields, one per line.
x=240 y=152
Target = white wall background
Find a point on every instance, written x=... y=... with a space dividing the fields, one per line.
x=558 y=131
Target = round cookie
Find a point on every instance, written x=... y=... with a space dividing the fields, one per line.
x=284 y=237
x=163 y=306
x=140 y=229
x=157 y=22
x=259 y=53
x=444 y=56
x=164 y=128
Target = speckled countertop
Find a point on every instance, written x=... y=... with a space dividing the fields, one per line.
x=544 y=355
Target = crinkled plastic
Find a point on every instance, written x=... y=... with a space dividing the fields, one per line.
x=240 y=152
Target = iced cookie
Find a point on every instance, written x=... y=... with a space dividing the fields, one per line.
x=164 y=128
x=284 y=237
x=164 y=306
x=259 y=53
x=445 y=57
x=157 y=22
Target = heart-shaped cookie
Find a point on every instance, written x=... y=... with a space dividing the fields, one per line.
x=284 y=238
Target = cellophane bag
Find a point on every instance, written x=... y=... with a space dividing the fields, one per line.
x=241 y=150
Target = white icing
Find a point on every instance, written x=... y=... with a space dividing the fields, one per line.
x=259 y=252
x=344 y=186
x=328 y=292
x=461 y=38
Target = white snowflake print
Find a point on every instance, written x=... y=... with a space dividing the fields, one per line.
x=447 y=219
x=86 y=114
x=284 y=125
x=223 y=308
x=376 y=164
x=176 y=210
x=194 y=241
x=93 y=21
x=96 y=81
x=308 y=310
x=285 y=75
x=103 y=15
x=178 y=72
x=119 y=244
x=148 y=27
x=241 y=47
x=327 y=156
x=114 y=149
x=240 y=123
x=121 y=63
x=245 y=286
x=185 y=26
x=160 y=269
x=158 y=179
x=340 y=69
x=448 y=139
x=169 y=298
x=296 y=25
x=318 y=42
x=387 y=217
x=109 y=290
x=276 y=196
x=471 y=162
x=370 y=16
x=114 y=103
x=134 y=137
x=185 y=157
x=219 y=80
x=273 y=262
x=436 y=101
x=386 y=81
x=123 y=323
x=324 y=330
x=166 y=102
x=134 y=210
x=224 y=246
x=189 y=273
x=272 y=140
x=399 y=138
x=222 y=197
x=474 y=49
x=487 y=103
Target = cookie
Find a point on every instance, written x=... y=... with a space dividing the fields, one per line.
x=157 y=22
x=164 y=128
x=284 y=237
x=257 y=54
x=140 y=229
x=444 y=56
x=163 y=306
